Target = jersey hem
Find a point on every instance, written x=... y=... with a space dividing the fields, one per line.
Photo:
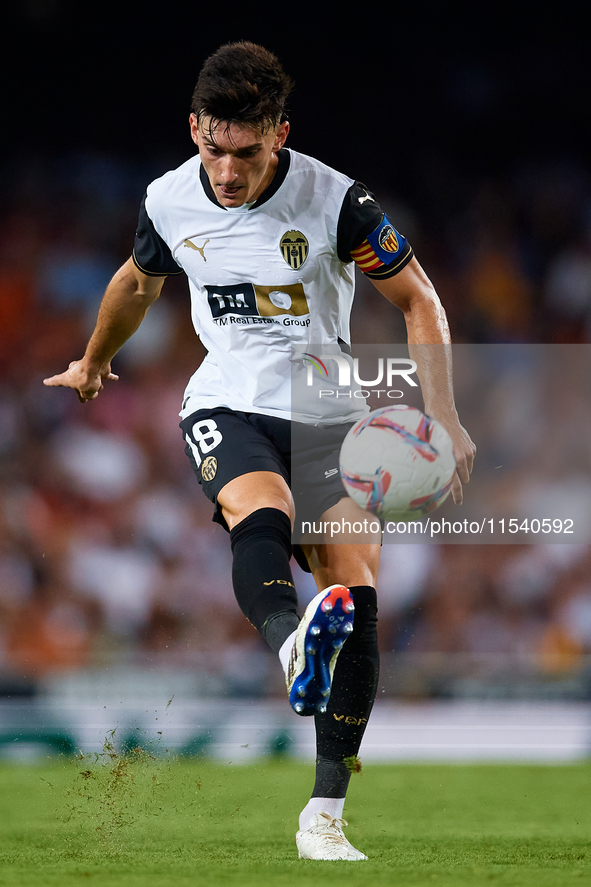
x=269 y=411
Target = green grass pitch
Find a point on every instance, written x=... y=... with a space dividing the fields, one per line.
x=153 y=822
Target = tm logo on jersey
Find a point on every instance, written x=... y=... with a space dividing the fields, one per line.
x=251 y=303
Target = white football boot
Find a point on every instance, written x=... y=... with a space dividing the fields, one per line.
x=324 y=839
x=324 y=628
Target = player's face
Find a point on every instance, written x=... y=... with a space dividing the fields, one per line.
x=240 y=162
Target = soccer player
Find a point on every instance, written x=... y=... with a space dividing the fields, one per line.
x=268 y=239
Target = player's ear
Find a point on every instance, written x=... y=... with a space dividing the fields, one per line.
x=194 y=128
x=281 y=135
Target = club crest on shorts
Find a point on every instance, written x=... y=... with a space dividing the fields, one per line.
x=294 y=249
x=209 y=468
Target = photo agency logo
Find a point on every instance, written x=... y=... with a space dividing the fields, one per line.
x=343 y=376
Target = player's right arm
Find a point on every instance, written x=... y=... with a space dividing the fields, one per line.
x=124 y=305
x=385 y=256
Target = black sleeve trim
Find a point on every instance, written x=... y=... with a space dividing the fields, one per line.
x=366 y=236
x=150 y=252
x=359 y=215
x=153 y=273
x=390 y=270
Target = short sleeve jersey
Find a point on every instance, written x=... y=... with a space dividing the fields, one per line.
x=267 y=279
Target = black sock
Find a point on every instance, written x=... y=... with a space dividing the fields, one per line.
x=340 y=730
x=332 y=778
x=261 y=575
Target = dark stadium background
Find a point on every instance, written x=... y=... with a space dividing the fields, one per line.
x=473 y=129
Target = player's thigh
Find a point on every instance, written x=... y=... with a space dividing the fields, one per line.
x=350 y=551
x=238 y=463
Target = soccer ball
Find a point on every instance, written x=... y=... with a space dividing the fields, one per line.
x=397 y=463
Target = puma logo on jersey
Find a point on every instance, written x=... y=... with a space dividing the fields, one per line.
x=199 y=249
x=367 y=197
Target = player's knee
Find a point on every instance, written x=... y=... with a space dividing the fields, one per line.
x=257 y=491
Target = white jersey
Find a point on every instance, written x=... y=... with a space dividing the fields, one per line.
x=268 y=281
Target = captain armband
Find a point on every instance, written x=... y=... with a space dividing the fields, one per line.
x=384 y=252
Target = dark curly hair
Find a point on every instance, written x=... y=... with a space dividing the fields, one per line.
x=242 y=83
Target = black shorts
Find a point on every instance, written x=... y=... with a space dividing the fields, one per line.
x=223 y=444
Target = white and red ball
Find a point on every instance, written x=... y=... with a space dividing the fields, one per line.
x=397 y=463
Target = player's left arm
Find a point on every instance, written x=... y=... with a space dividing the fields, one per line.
x=429 y=343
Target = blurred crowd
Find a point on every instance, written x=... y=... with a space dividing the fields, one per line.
x=107 y=551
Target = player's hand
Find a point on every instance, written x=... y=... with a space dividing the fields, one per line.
x=86 y=382
x=464 y=452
